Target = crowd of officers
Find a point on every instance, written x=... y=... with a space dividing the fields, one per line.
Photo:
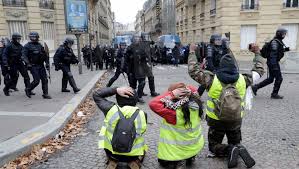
x=34 y=57
x=181 y=108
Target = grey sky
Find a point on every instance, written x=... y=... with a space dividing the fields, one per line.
x=126 y=10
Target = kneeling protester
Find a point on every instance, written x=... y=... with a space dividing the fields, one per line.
x=121 y=135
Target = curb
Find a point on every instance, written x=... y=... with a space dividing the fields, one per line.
x=283 y=72
x=12 y=148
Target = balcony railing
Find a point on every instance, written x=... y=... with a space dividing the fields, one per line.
x=249 y=7
x=46 y=4
x=213 y=12
x=14 y=3
x=291 y=5
x=193 y=19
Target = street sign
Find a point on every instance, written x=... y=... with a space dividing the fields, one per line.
x=76 y=16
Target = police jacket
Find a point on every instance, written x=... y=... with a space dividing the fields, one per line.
x=276 y=53
x=120 y=59
x=64 y=55
x=138 y=57
x=12 y=54
x=34 y=53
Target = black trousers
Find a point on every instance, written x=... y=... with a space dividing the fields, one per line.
x=274 y=74
x=215 y=137
x=141 y=84
x=14 y=75
x=114 y=78
x=120 y=158
x=67 y=77
x=39 y=74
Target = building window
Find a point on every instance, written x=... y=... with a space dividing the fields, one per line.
x=19 y=27
x=202 y=9
x=291 y=39
x=46 y=4
x=202 y=35
x=213 y=7
x=194 y=36
x=194 y=10
x=48 y=34
x=249 y=5
x=290 y=4
x=248 y=35
x=14 y=3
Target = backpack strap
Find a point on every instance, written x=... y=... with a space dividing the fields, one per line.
x=133 y=117
x=279 y=42
x=121 y=115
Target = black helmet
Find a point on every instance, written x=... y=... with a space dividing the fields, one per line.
x=280 y=32
x=16 y=36
x=69 y=40
x=123 y=43
x=215 y=37
x=33 y=36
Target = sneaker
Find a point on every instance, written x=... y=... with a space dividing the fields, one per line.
x=233 y=157
x=15 y=89
x=31 y=93
x=155 y=94
x=134 y=164
x=181 y=164
x=248 y=160
x=111 y=164
x=254 y=90
x=276 y=96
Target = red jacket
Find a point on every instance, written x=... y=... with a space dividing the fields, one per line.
x=159 y=108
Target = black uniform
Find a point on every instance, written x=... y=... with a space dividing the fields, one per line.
x=35 y=56
x=137 y=63
x=98 y=57
x=86 y=55
x=120 y=66
x=276 y=54
x=214 y=54
x=12 y=64
x=63 y=58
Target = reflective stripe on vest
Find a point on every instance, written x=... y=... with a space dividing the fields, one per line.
x=109 y=125
x=215 y=92
x=178 y=142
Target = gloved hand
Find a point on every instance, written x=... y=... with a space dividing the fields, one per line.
x=287 y=49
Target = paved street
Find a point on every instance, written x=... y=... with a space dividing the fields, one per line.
x=19 y=113
x=270 y=131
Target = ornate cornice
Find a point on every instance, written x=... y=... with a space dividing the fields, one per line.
x=15 y=14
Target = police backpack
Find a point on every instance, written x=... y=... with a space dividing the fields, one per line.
x=124 y=133
x=229 y=105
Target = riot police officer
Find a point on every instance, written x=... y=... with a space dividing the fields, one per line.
x=34 y=55
x=63 y=58
x=120 y=63
x=277 y=49
x=12 y=64
x=214 y=52
x=136 y=59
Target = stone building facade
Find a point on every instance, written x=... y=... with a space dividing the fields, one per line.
x=47 y=18
x=247 y=21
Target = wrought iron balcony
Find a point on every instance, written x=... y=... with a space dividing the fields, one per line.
x=46 y=4
x=291 y=5
x=14 y=3
x=249 y=7
x=213 y=12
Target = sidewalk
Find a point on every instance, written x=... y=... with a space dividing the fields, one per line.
x=19 y=113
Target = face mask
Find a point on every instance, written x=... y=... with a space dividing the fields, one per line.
x=19 y=40
x=218 y=42
x=69 y=45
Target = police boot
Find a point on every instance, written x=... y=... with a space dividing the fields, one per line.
x=6 y=91
x=276 y=96
x=47 y=96
x=151 y=83
x=248 y=160
x=28 y=92
x=254 y=89
x=73 y=84
x=233 y=154
x=45 y=91
x=64 y=86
